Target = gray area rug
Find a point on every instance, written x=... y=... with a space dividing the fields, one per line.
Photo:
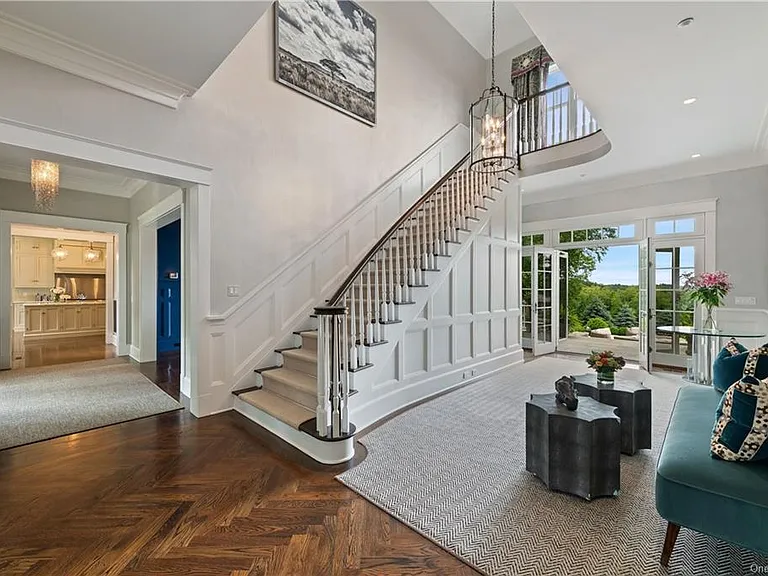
x=42 y=403
x=453 y=469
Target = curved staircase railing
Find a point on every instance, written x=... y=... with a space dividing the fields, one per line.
x=355 y=317
x=551 y=117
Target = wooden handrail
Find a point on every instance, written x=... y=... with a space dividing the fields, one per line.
x=544 y=92
x=337 y=297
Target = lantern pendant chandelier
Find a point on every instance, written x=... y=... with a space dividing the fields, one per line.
x=493 y=123
x=44 y=177
x=91 y=255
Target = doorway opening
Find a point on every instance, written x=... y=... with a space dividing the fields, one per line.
x=64 y=290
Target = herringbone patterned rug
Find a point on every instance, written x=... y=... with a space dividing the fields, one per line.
x=454 y=470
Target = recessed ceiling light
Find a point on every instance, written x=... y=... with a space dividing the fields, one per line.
x=582 y=175
x=685 y=22
x=695 y=155
x=689 y=100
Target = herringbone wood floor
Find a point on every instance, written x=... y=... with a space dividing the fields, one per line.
x=174 y=495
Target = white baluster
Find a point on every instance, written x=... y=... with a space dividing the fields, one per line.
x=376 y=300
x=424 y=222
x=399 y=265
x=370 y=334
x=392 y=278
x=352 y=343
x=337 y=346
x=411 y=278
x=362 y=351
x=387 y=259
x=323 y=376
x=344 y=391
x=444 y=217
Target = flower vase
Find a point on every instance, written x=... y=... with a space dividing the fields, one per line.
x=709 y=319
x=606 y=377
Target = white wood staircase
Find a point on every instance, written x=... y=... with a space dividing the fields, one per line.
x=315 y=380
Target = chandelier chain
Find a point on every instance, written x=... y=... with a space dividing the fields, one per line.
x=493 y=44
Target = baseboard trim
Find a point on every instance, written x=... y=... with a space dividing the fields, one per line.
x=407 y=394
x=135 y=353
x=323 y=452
x=57 y=335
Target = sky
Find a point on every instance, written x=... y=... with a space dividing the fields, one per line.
x=618 y=267
x=318 y=29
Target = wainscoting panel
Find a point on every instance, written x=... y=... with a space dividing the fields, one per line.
x=265 y=318
x=469 y=329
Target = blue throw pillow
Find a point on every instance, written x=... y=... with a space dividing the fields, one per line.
x=728 y=367
x=741 y=429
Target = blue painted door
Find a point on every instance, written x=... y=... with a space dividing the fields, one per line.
x=169 y=287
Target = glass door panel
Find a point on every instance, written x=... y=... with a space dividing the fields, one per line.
x=527 y=298
x=673 y=261
x=644 y=307
x=544 y=303
x=562 y=294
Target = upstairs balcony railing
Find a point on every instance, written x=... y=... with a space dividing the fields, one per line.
x=551 y=117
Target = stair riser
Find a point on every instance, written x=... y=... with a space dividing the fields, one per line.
x=300 y=365
x=309 y=401
x=309 y=343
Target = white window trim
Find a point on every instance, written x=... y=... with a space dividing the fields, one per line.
x=698 y=231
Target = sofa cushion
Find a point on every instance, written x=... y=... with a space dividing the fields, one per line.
x=741 y=429
x=690 y=484
x=728 y=366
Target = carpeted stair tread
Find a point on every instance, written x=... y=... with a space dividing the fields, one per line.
x=291 y=378
x=275 y=405
x=301 y=354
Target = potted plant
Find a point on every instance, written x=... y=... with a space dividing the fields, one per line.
x=606 y=364
x=708 y=289
x=57 y=292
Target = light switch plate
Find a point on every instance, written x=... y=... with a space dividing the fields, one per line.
x=233 y=291
x=746 y=301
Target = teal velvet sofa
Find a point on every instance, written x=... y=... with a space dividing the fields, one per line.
x=727 y=500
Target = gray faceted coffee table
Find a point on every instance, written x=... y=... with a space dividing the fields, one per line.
x=634 y=403
x=574 y=451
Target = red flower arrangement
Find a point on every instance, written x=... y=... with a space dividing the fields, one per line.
x=605 y=361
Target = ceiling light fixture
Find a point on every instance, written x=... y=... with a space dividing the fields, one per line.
x=60 y=253
x=685 y=22
x=695 y=155
x=492 y=123
x=44 y=177
x=689 y=100
x=91 y=255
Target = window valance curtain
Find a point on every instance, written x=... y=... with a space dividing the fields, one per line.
x=529 y=76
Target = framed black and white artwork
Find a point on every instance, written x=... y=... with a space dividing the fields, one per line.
x=327 y=50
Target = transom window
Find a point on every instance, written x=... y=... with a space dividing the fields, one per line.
x=533 y=239
x=602 y=233
x=685 y=225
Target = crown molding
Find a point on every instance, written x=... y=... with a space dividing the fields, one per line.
x=123 y=188
x=46 y=47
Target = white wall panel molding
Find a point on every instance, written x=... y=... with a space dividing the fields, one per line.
x=46 y=47
x=266 y=317
x=467 y=327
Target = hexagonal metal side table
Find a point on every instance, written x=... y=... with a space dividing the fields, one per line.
x=634 y=403
x=573 y=451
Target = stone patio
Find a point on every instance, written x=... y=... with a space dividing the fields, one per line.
x=581 y=343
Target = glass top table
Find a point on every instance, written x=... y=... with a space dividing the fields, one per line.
x=707 y=343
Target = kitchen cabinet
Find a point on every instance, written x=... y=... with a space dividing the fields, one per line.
x=41 y=320
x=32 y=263
x=55 y=320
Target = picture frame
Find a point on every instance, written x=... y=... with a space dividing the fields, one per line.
x=326 y=49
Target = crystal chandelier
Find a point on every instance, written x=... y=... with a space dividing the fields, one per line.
x=45 y=183
x=60 y=252
x=493 y=122
x=91 y=255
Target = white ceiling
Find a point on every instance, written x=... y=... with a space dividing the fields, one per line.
x=182 y=41
x=15 y=165
x=473 y=21
x=634 y=67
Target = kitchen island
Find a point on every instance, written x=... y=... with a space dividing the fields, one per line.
x=60 y=319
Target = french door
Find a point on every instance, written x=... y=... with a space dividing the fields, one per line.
x=644 y=313
x=545 y=289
